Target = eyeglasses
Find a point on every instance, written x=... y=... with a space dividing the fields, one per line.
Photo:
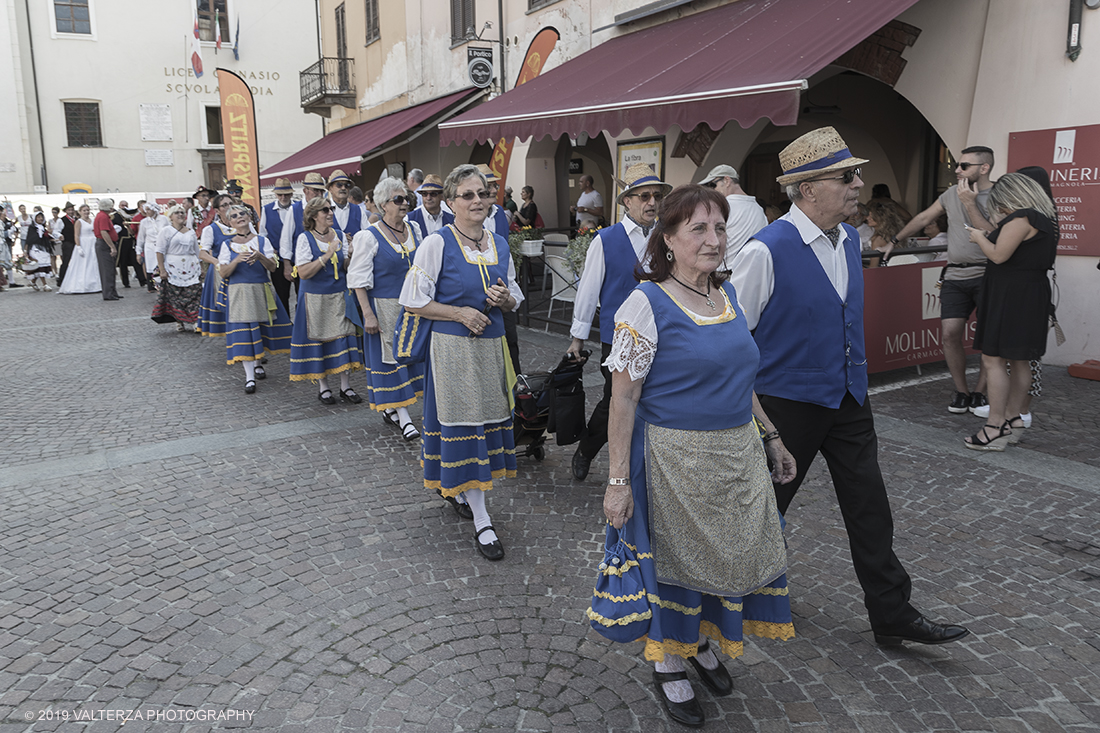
x=342 y=184
x=324 y=210
x=712 y=184
x=431 y=194
x=967 y=166
x=645 y=197
x=470 y=195
x=847 y=177
x=407 y=200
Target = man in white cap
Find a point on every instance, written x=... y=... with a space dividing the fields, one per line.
x=746 y=216
x=607 y=279
x=800 y=284
x=347 y=217
x=281 y=223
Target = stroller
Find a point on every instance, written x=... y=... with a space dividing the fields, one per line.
x=549 y=402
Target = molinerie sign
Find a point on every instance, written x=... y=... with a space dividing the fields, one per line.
x=1071 y=155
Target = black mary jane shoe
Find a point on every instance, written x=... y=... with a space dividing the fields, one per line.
x=718 y=679
x=461 y=509
x=409 y=431
x=260 y=373
x=688 y=713
x=349 y=395
x=494 y=550
x=921 y=631
x=329 y=400
x=250 y=386
x=390 y=418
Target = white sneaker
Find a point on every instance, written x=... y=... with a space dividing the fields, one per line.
x=982 y=411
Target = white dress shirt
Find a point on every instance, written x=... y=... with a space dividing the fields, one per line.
x=340 y=215
x=588 y=291
x=491 y=221
x=754 y=274
x=746 y=219
x=286 y=238
x=434 y=223
x=303 y=253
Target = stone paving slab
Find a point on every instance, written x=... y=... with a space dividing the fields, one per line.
x=175 y=546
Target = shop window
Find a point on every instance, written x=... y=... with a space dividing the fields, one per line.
x=209 y=10
x=214 y=126
x=82 y=124
x=72 y=16
x=374 y=31
x=462 y=20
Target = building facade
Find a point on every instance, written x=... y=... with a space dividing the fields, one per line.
x=106 y=94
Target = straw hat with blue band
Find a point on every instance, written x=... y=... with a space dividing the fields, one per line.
x=817 y=152
x=486 y=171
x=431 y=184
x=638 y=176
x=315 y=181
x=338 y=176
x=282 y=185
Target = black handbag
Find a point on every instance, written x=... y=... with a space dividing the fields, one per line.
x=567 y=413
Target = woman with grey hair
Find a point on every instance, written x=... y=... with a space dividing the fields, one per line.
x=1015 y=300
x=463 y=280
x=179 y=268
x=381 y=257
x=147 y=233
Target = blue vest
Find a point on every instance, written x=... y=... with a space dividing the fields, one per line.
x=325 y=281
x=811 y=340
x=245 y=273
x=462 y=283
x=701 y=375
x=274 y=224
x=391 y=265
x=619 y=262
x=500 y=222
x=416 y=216
x=355 y=219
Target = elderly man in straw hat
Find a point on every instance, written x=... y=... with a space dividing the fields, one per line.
x=607 y=279
x=497 y=220
x=800 y=283
x=347 y=217
x=281 y=223
x=430 y=216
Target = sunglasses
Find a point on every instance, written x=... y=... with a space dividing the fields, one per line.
x=712 y=184
x=645 y=197
x=431 y=194
x=967 y=166
x=341 y=184
x=324 y=210
x=406 y=200
x=847 y=177
x=470 y=195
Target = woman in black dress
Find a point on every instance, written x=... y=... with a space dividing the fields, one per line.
x=1014 y=310
x=527 y=213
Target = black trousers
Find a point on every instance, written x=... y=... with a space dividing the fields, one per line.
x=282 y=286
x=66 y=255
x=595 y=435
x=127 y=258
x=846 y=439
x=106 y=262
x=511 y=337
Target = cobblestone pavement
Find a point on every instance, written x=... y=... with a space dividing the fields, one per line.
x=175 y=547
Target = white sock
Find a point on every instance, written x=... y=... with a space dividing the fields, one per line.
x=461 y=498
x=680 y=690
x=403 y=416
x=249 y=370
x=476 y=500
x=322 y=385
x=707 y=658
x=345 y=382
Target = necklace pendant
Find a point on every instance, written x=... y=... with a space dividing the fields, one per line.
x=710 y=303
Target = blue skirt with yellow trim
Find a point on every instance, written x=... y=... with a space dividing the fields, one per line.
x=460 y=458
x=390 y=386
x=212 y=316
x=313 y=360
x=681 y=615
x=254 y=341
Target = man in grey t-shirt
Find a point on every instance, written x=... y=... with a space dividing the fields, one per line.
x=964 y=205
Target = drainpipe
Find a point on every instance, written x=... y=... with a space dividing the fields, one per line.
x=503 y=38
x=1073 y=41
x=37 y=100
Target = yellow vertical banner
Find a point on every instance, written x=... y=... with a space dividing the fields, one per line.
x=541 y=46
x=242 y=160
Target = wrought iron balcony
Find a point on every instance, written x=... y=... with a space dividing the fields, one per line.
x=330 y=81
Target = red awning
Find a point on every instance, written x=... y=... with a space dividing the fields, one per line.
x=740 y=61
x=345 y=148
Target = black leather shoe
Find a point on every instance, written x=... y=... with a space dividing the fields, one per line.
x=494 y=550
x=685 y=713
x=349 y=395
x=921 y=631
x=250 y=386
x=581 y=462
x=326 y=397
x=260 y=373
x=461 y=509
x=718 y=679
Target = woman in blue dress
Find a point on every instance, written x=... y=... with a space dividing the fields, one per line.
x=463 y=279
x=382 y=254
x=211 y=315
x=688 y=483
x=256 y=322
x=325 y=340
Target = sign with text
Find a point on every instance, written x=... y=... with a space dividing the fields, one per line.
x=239 y=133
x=479 y=65
x=156 y=122
x=901 y=316
x=1072 y=157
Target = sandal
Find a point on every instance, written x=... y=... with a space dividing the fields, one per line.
x=981 y=440
x=409 y=431
x=260 y=373
x=1010 y=423
x=348 y=395
x=330 y=400
x=250 y=386
x=390 y=417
